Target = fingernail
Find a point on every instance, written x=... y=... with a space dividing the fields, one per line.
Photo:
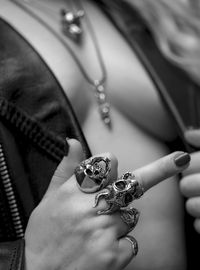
x=182 y=159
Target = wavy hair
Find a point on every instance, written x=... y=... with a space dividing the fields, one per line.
x=175 y=25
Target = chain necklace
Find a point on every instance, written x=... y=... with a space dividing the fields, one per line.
x=98 y=85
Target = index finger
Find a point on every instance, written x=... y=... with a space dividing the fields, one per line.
x=161 y=169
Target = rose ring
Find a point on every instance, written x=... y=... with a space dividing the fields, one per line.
x=120 y=193
x=130 y=216
x=92 y=174
x=134 y=244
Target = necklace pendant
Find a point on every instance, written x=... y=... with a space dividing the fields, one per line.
x=71 y=23
x=104 y=110
x=104 y=106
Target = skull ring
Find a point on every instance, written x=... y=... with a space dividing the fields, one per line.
x=120 y=193
x=93 y=174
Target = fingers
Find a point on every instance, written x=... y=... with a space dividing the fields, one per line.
x=194 y=164
x=193 y=207
x=190 y=185
x=165 y=167
x=127 y=250
x=147 y=176
x=197 y=225
x=80 y=205
x=193 y=137
x=190 y=188
x=69 y=162
x=130 y=217
x=113 y=222
x=123 y=221
x=66 y=167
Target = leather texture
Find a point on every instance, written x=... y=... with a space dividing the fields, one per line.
x=12 y=255
x=28 y=85
x=30 y=94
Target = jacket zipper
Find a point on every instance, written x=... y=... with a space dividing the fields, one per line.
x=10 y=195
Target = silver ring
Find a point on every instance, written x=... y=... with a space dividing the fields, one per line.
x=130 y=217
x=134 y=244
x=120 y=193
x=139 y=190
x=93 y=174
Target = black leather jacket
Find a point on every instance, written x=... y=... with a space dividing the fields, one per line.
x=36 y=117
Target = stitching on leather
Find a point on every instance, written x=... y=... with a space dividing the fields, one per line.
x=14 y=251
x=51 y=144
x=17 y=255
x=20 y=254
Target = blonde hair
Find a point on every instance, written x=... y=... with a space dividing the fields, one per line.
x=176 y=27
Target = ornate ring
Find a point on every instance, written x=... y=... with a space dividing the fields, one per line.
x=130 y=216
x=92 y=174
x=134 y=244
x=120 y=193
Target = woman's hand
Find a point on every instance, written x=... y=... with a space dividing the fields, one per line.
x=190 y=187
x=66 y=233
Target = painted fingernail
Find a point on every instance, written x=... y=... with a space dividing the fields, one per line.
x=182 y=159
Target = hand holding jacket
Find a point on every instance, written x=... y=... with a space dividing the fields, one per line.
x=64 y=231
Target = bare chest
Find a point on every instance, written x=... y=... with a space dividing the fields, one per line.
x=128 y=88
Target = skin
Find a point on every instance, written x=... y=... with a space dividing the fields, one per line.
x=190 y=182
x=141 y=128
x=66 y=213
x=190 y=187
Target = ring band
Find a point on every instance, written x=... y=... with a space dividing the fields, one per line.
x=93 y=174
x=130 y=217
x=134 y=244
x=120 y=193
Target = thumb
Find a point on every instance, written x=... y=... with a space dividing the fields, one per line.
x=66 y=167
